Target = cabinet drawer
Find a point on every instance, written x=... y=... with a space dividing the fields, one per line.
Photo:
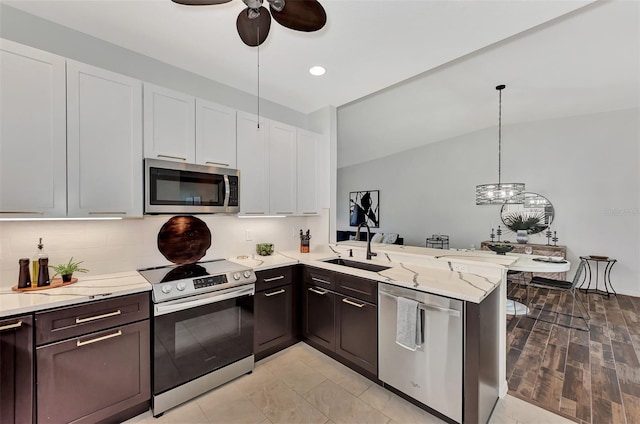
x=319 y=277
x=271 y=278
x=69 y=322
x=360 y=288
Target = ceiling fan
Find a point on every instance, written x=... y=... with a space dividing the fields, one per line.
x=253 y=23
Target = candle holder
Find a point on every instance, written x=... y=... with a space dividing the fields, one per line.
x=499 y=233
x=548 y=234
x=555 y=239
x=492 y=235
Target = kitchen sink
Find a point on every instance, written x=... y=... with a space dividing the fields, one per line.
x=359 y=265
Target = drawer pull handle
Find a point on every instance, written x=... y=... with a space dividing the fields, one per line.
x=217 y=163
x=284 y=213
x=107 y=213
x=171 y=157
x=309 y=213
x=110 y=314
x=254 y=213
x=274 y=293
x=320 y=292
x=99 y=339
x=268 y=280
x=359 y=305
x=11 y=326
x=318 y=280
x=24 y=212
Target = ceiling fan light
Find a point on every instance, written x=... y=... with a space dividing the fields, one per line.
x=253 y=13
x=253 y=4
x=277 y=5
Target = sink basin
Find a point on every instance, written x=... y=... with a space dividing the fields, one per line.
x=359 y=265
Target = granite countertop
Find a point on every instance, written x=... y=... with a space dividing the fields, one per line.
x=87 y=289
x=468 y=276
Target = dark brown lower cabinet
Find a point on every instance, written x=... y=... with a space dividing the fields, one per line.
x=93 y=377
x=273 y=318
x=318 y=322
x=357 y=332
x=16 y=370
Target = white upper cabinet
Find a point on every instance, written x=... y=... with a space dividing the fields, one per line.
x=282 y=169
x=253 y=164
x=104 y=142
x=32 y=132
x=307 y=163
x=215 y=134
x=169 y=124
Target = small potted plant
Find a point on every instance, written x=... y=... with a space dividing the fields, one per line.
x=524 y=224
x=67 y=270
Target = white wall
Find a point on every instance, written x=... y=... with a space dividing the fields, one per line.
x=130 y=244
x=587 y=166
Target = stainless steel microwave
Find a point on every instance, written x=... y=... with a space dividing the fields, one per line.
x=175 y=188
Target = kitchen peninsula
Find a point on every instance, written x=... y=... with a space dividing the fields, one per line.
x=469 y=278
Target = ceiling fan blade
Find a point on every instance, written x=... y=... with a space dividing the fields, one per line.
x=200 y=2
x=301 y=15
x=248 y=28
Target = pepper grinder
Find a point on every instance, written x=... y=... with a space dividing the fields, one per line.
x=24 y=279
x=43 y=272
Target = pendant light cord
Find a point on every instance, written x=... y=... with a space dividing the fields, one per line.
x=258 y=40
x=499 y=88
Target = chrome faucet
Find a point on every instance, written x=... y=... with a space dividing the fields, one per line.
x=369 y=252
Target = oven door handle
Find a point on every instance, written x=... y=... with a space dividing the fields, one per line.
x=205 y=299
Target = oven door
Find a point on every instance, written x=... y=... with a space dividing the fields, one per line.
x=200 y=334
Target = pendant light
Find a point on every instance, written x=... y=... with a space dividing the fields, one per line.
x=499 y=193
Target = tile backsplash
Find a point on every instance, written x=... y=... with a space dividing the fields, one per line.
x=129 y=244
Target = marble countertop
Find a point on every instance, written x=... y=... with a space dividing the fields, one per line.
x=454 y=274
x=464 y=275
x=87 y=289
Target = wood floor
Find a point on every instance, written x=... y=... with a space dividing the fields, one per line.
x=587 y=376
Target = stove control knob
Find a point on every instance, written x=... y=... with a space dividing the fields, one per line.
x=236 y=276
x=181 y=286
x=166 y=288
x=246 y=274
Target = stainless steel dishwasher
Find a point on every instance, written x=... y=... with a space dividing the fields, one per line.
x=433 y=373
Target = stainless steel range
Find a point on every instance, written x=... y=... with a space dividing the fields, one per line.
x=203 y=328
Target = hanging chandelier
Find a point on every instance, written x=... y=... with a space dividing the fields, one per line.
x=499 y=193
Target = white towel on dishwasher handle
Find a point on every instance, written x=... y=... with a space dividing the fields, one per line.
x=408 y=324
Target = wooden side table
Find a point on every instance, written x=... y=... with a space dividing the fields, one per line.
x=606 y=275
x=538 y=249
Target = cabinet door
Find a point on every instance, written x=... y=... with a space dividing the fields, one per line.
x=91 y=378
x=273 y=317
x=104 y=121
x=357 y=332
x=169 y=124
x=253 y=164
x=33 y=176
x=319 y=316
x=282 y=169
x=307 y=171
x=16 y=370
x=215 y=134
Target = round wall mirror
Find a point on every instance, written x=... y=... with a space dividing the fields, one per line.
x=534 y=215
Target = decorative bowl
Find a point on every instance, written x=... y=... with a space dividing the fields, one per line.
x=501 y=249
x=264 y=249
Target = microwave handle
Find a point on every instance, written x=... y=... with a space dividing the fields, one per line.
x=227 y=191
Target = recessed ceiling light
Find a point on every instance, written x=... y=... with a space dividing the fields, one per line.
x=317 y=71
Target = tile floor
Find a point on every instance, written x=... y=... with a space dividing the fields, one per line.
x=591 y=376
x=302 y=385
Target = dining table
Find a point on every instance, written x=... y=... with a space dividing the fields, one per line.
x=534 y=264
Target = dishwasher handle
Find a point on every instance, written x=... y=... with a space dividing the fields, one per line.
x=426 y=306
